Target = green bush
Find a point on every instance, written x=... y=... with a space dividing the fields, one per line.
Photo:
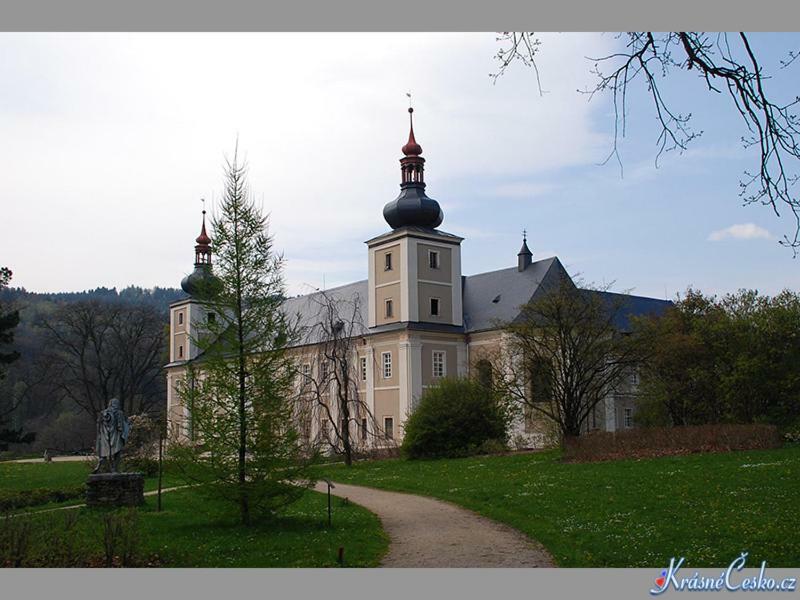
x=16 y=499
x=456 y=417
x=141 y=464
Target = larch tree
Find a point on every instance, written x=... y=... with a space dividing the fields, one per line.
x=239 y=391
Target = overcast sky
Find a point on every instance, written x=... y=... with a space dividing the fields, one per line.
x=108 y=142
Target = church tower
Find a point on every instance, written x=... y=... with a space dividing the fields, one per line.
x=415 y=298
x=414 y=269
x=185 y=314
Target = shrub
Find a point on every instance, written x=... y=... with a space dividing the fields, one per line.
x=16 y=499
x=456 y=417
x=141 y=464
x=664 y=441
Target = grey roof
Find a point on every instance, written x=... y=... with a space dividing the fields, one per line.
x=308 y=310
x=494 y=298
x=627 y=306
x=490 y=300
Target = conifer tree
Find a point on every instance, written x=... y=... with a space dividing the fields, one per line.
x=239 y=390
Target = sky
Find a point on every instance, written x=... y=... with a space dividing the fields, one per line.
x=109 y=141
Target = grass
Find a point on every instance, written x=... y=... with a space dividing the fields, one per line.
x=196 y=531
x=62 y=474
x=631 y=513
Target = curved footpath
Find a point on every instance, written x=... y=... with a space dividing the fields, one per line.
x=424 y=532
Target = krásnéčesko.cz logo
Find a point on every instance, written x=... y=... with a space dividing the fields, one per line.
x=727 y=580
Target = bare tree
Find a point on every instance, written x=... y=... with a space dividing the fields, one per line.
x=102 y=350
x=565 y=354
x=725 y=63
x=330 y=394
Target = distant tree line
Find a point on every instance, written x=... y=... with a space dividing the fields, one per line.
x=76 y=350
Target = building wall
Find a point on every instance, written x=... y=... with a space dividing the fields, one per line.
x=383 y=293
x=442 y=291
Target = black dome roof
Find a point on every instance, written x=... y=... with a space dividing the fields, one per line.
x=201 y=282
x=413 y=207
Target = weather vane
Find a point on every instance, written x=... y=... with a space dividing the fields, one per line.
x=409 y=99
x=203 y=200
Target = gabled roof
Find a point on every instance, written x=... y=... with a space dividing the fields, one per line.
x=494 y=298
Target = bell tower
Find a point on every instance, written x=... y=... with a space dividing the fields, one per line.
x=414 y=269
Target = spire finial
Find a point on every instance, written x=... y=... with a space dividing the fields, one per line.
x=412 y=148
x=525 y=235
x=203 y=240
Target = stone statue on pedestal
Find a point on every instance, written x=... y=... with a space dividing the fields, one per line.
x=113 y=429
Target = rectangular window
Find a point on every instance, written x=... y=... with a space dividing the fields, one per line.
x=634 y=377
x=363 y=361
x=180 y=318
x=627 y=417
x=434 y=307
x=306 y=370
x=363 y=430
x=433 y=259
x=439 y=363
x=323 y=370
x=212 y=318
x=180 y=351
x=389 y=308
x=386 y=362
x=324 y=430
x=387 y=261
x=388 y=427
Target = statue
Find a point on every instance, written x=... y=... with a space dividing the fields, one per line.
x=113 y=429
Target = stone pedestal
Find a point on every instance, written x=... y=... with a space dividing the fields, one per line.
x=115 y=489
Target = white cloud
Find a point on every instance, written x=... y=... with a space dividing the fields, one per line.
x=741 y=231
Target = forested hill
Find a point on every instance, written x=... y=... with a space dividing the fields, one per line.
x=159 y=298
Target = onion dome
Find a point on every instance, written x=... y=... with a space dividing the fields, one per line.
x=413 y=207
x=201 y=282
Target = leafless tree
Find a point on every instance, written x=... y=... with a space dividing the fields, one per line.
x=565 y=353
x=98 y=351
x=330 y=393
x=725 y=63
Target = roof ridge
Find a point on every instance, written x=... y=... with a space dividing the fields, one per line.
x=536 y=262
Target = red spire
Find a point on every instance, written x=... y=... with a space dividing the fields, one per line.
x=203 y=239
x=412 y=148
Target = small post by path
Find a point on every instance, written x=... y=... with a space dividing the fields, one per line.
x=330 y=486
x=160 y=462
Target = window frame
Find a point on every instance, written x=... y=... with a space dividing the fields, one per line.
x=434 y=259
x=362 y=363
x=627 y=417
x=180 y=317
x=385 y=364
x=388 y=432
x=388 y=308
x=438 y=301
x=387 y=262
x=442 y=355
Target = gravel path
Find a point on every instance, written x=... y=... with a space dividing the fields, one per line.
x=424 y=532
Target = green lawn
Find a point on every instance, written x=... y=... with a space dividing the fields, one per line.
x=16 y=477
x=193 y=531
x=634 y=513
